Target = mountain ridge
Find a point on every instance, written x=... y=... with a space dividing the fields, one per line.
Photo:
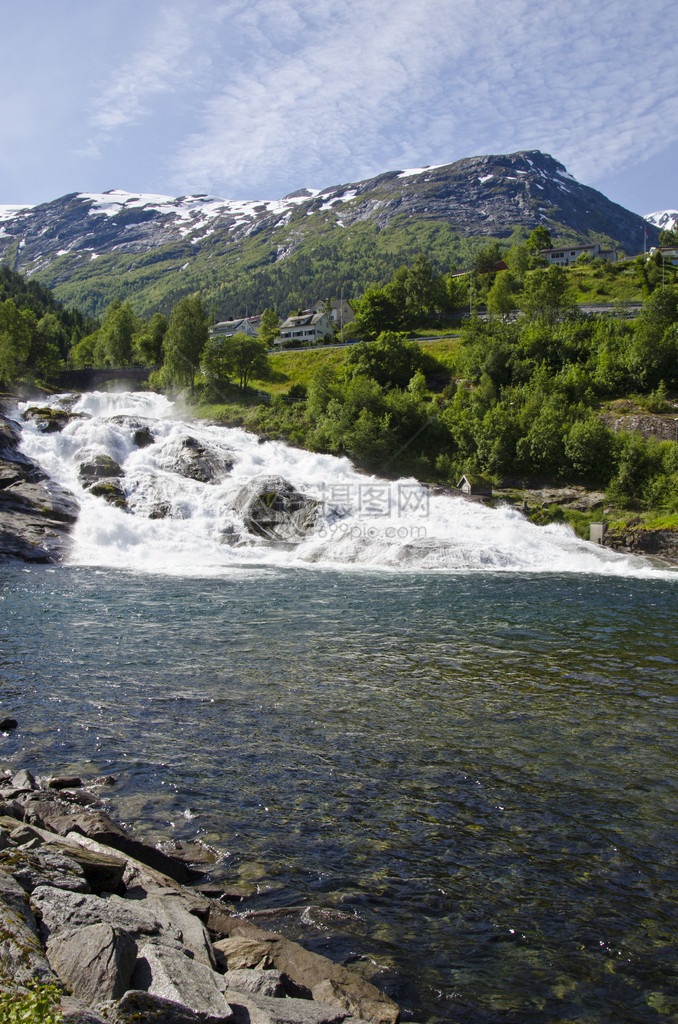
x=92 y=247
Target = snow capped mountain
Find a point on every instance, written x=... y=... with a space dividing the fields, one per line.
x=665 y=220
x=91 y=247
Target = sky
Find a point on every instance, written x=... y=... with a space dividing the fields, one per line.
x=254 y=99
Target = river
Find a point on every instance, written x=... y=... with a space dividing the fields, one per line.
x=446 y=758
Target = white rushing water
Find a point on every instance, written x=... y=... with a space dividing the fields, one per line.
x=176 y=524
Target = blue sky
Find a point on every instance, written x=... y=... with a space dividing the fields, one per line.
x=248 y=99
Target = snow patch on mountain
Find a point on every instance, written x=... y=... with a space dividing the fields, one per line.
x=189 y=212
x=666 y=220
x=8 y=212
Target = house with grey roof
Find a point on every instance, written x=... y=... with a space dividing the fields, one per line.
x=227 y=328
x=566 y=254
x=309 y=328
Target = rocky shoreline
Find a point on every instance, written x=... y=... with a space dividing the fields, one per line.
x=127 y=935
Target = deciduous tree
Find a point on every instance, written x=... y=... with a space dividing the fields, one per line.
x=185 y=340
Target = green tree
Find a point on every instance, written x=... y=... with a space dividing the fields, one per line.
x=487 y=257
x=185 y=340
x=16 y=331
x=588 y=449
x=668 y=238
x=500 y=298
x=425 y=290
x=517 y=259
x=114 y=344
x=269 y=327
x=82 y=353
x=540 y=238
x=239 y=356
x=375 y=312
x=545 y=295
x=148 y=340
x=48 y=342
x=391 y=360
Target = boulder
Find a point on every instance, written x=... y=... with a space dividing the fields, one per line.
x=46 y=809
x=48 y=420
x=62 y=910
x=24 y=780
x=22 y=958
x=99 y=467
x=249 y=1008
x=174 y=917
x=145 y=1008
x=112 y=492
x=239 y=953
x=166 y=971
x=264 y=983
x=73 y=1011
x=95 y=962
x=35 y=519
x=194 y=460
x=31 y=868
x=65 y=782
x=272 y=508
x=327 y=981
x=143 y=437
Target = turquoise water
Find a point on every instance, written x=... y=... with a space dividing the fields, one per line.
x=466 y=780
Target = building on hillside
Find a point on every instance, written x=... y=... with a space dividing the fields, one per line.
x=563 y=256
x=668 y=253
x=308 y=328
x=341 y=311
x=227 y=328
x=475 y=486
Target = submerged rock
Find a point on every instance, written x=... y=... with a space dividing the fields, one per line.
x=272 y=508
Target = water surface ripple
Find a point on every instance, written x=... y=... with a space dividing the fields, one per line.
x=468 y=780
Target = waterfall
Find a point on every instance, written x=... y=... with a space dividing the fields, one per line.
x=162 y=493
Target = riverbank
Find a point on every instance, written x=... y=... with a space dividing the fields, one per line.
x=129 y=932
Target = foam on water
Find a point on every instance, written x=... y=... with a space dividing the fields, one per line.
x=362 y=521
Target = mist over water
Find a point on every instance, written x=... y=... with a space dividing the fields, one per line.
x=361 y=520
x=445 y=758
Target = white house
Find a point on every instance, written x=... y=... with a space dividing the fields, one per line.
x=227 y=328
x=341 y=311
x=668 y=253
x=309 y=328
x=565 y=255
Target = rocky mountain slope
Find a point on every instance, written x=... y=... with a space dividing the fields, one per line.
x=92 y=247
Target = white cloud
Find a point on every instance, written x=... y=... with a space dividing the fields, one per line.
x=158 y=67
x=367 y=85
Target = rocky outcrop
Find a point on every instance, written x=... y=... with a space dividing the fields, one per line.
x=664 y=428
x=36 y=515
x=272 y=508
x=48 y=420
x=636 y=540
x=130 y=943
x=195 y=461
x=102 y=476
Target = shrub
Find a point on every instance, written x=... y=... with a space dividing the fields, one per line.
x=40 y=1005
